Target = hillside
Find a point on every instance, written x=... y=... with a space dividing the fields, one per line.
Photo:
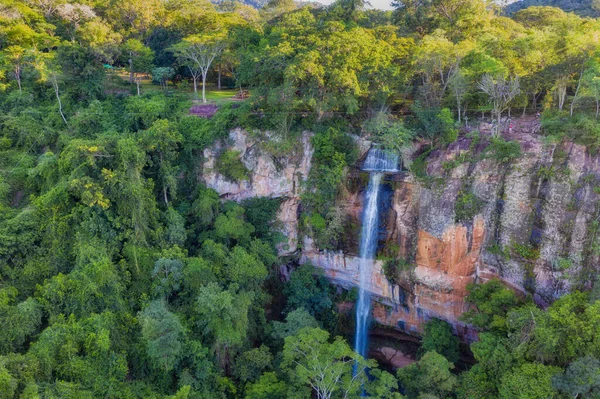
x=583 y=8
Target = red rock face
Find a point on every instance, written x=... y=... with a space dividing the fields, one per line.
x=444 y=267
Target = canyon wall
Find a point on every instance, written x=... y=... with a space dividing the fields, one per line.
x=530 y=221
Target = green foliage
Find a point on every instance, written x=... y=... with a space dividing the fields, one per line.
x=438 y=337
x=562 y=334
x=333 y=152
x=584 y=8
x=526 y=251
x=90 y=288
x=418 y=167
x=503 y=151
x=530 y=381
x=162 y=332
x=295 y=321
x=249 y=366
x=436 y=125
x=267 y=387
x=8 y=384
x=580 y=379
x=494 y=359
x=328 y=231
x=390 y=133
x=467 y=206
x=393 y=267
x=431 y=375
x=231 y=166
x=581 y=128
x=457 y=161
x=310 y=360
x=261 y=212
x=168 y=274
x=21 y=320
x=493 y=302
x=162 y=75
x=309 y=289
x=244 y=269
x=231 y=227
x=222 y=315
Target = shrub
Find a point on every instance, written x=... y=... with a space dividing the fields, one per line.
x=467 y=206
x=333 y=152
x=459 y=160
x=581 y=128
x=435 y=124
x=493 y=302
x=390 y=133
x=504 y=151
x=526 y=251
x=230 y=165
x=418 y=167
x=393 y=267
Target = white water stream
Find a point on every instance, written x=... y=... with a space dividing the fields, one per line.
x=378 y=161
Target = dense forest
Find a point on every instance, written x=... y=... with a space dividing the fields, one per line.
x=584 y=8
x=123 y=276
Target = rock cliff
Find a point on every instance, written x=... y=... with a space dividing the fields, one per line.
x=268 y=177
x=531 y=222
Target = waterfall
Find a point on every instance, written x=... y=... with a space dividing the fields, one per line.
x=377 y=163
x=368 y=247
x=379 y=160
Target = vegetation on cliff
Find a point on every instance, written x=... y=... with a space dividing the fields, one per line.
x=123 y=276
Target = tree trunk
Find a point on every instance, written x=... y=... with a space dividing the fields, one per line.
x=18 y=77
x=195 y=78
x=597 y=106
x=219 y=78
x=55 y=84
x=576 y=93
x=562 y=95
x=164 y=184
x=204 y=86
x=137 y=82
x=458 y=106
x=130 y=70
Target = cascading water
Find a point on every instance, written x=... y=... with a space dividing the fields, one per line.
x=368 y=246
x=379 y=160
x=377 y=163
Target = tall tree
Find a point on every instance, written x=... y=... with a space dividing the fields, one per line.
x=187 y=57
x=139 y=57
x=328 y=368
x=500 y=92
x=162 y=333
x=201 y=51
